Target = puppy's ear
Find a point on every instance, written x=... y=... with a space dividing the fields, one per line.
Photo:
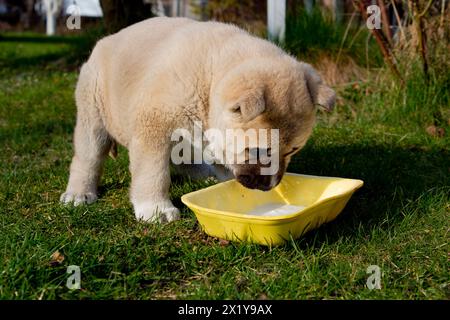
x=250 y=106
x=321 y=94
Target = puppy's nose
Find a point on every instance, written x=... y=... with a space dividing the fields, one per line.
x=255 y=182
x=264 y=183
x=247 y=180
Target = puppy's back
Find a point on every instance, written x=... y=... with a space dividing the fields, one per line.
x=178 y=56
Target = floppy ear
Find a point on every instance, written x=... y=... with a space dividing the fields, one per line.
x=250 y=105
x=320 y=93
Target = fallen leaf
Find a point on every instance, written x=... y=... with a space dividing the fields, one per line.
x=262 y=296
x=56 y=258
x=435 y=131
x=223 y=242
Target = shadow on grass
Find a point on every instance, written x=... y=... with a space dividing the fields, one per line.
x=393 y=176
x=75 y=52
x=42 y=61
x=41 y=39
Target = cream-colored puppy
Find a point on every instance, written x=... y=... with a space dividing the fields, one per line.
x=162 y=74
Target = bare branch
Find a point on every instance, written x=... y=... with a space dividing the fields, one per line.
x=382 y=43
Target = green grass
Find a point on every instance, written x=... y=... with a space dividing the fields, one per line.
x=399 y=220
x=313 y=35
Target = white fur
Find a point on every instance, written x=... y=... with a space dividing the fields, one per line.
x=150 y=211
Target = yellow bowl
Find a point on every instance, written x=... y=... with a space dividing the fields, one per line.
x=222 y=210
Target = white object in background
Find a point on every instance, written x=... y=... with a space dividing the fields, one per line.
x=52 y=8
x=158 y=8
x=73 y=22
x=176 y=8
x=276 y=19
x=87 y=8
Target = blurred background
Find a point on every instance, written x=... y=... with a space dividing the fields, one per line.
x=331 y=34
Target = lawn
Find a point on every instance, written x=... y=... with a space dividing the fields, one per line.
x=398 y=221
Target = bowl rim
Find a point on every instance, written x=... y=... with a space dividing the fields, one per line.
x=292 y=216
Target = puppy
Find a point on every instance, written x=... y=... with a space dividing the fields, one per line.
x=157 y=76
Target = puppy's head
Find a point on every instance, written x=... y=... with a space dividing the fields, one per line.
x=256 y=97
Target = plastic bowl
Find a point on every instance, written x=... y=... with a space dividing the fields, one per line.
x=222 y=209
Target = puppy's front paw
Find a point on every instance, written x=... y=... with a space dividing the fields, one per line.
x=78 y=198
x=160 y=212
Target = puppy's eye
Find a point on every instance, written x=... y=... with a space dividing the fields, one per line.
x=236 y=109
x=256 y=153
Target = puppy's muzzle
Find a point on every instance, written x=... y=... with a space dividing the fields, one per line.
x=260 y=182
x=255 y=182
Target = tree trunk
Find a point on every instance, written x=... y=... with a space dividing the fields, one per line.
x=30 y=16
x=118 y=14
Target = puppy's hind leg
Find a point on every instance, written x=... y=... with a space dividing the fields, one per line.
x=91 y=143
